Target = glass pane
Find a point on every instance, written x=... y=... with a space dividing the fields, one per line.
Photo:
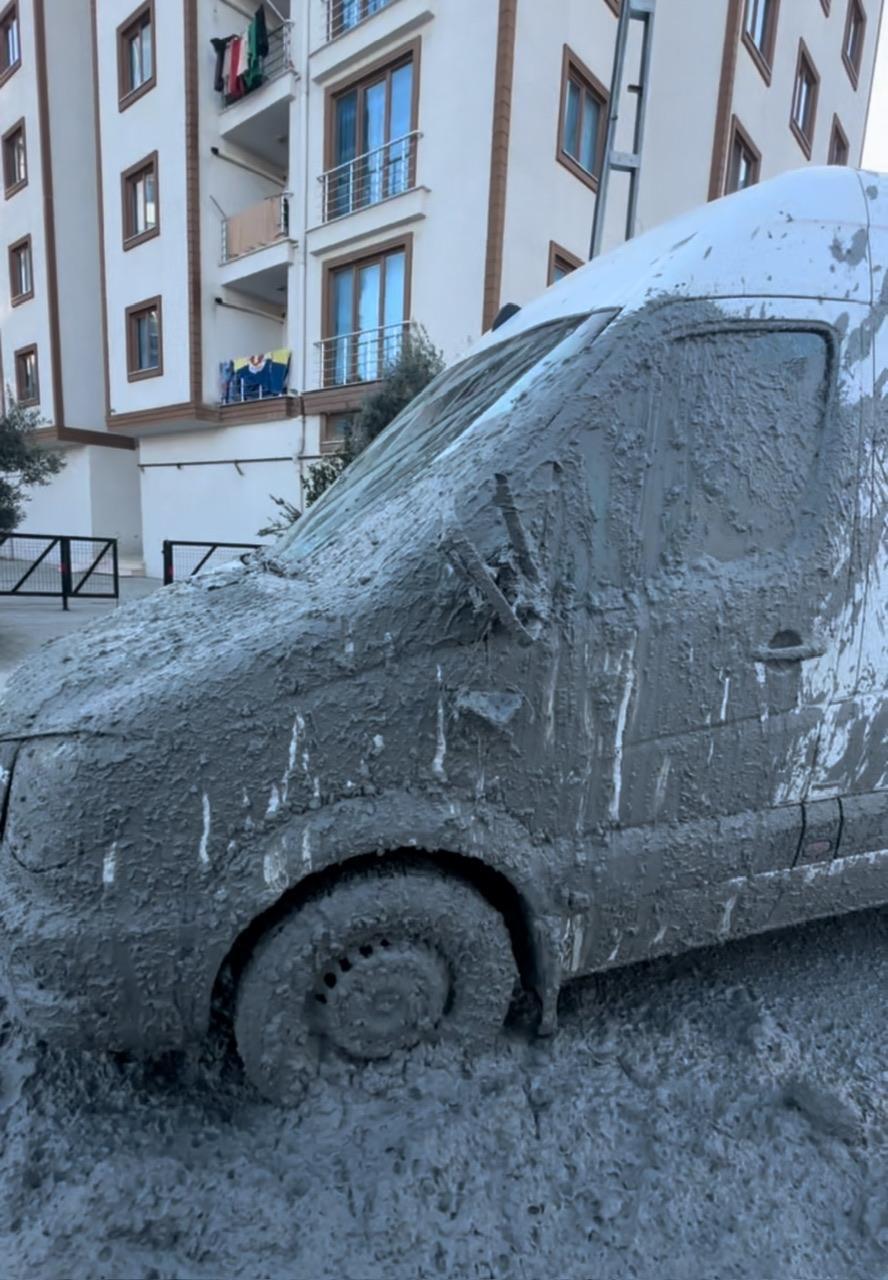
x=589 y=135
x=147 y=67
x=153 y=341
x=369 y=279
x=345 y=142
x=374 y=137
x=135 y=62
x=571 y=119
x=19 y=153
x=339 y=360
x=760 y=25
x=399 y=128
x=150 y=199
x=138 y=206
x=393 y=315
x=350 y=14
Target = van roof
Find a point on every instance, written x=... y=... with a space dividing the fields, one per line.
x=803 y=234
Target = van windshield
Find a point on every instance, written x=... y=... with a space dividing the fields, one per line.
x=431 y=422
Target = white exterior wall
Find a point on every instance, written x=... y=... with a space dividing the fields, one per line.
x=72 y=144
x=154 y=122
x=21 y=215
x=65 y=505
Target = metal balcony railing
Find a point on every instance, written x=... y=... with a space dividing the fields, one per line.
x=363 y=356
x=376 y=175
x=342 y=15
x=274 y=64
x=254 y=228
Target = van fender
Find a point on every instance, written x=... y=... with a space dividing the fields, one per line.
x=275 y=872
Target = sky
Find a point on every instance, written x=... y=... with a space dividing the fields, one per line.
x=875 y=144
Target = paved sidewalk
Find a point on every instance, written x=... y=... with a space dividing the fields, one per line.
x=26 y=623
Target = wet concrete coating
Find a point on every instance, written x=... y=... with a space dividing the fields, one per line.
x=723 y=1115
x=582 y=663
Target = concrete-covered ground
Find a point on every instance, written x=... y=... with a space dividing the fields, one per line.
x=724 y=1115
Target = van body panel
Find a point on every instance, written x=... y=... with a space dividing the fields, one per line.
x=604 y=610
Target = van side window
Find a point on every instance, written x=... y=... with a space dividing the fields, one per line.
x=739 y=429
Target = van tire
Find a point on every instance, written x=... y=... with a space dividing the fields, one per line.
x=379 y=962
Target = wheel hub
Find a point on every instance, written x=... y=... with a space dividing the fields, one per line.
x=381 y=996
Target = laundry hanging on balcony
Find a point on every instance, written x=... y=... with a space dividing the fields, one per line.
x=240 y=59
x=254 y=377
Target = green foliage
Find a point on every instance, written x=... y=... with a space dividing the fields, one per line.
x=23 y=462
x=418 y=363
x=280 y=524
x=322 y=474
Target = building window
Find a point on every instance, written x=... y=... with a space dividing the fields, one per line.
x=10 y=48
x=561 y=263
x=27 y=383
x=855 y=31
x=582 y=124
x=371 y=153
x=136 y=72
x=744 y=160
x=21 y=274
x=342 y=15
x=760 y=33
x=367 y=308
x=335 y=431
x=144 y=340
x=804 y=100
x=839 y=148
x=15 y=159
x=141 y=217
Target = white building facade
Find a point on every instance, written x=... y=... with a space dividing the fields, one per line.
x=232 y=214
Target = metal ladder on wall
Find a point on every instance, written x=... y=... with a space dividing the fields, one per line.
x=641 y=11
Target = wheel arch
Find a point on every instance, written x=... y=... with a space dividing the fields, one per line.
x=499 y=864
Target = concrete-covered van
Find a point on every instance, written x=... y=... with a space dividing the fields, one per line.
x=582 y=661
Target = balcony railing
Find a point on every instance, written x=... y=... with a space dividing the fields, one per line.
x=274 y=64
x=363 y=356
x=254 y=228
x=342 y=15
x=376 y=175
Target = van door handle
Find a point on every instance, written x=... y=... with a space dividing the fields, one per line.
x=786 y=646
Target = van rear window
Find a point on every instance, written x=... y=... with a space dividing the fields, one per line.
x=434 y=420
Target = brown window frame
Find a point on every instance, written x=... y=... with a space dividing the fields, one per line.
x=19 y=357
x=571 y=65
x=368 y=76
x=10 y=189
x=825 y=4
x=371 y=253
x=327 y=446
x=805 y=140
x=738 y=134
x=16 y=299
x=614 y=6
x=126 y=94
x=132 y=238
x=558 y=254
x=763 y=57
x=837 y=133
x=12 y=67
x=853 y=68
x=132 y=313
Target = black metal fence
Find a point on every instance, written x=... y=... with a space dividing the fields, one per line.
x=182 y=559
x=56 y=565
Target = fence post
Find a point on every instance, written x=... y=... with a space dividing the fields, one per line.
x=167 y=563
x=116 y=563
x=65 y=566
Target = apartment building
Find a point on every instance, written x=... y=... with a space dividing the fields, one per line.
x=231 y=213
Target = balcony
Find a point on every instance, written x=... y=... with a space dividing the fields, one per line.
x=377 y=175
x=343 y=15
x=258 y=118
x=257 y=227
x=256 y=250
x=351 y=358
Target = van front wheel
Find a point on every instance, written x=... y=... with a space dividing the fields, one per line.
x=382 y=961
